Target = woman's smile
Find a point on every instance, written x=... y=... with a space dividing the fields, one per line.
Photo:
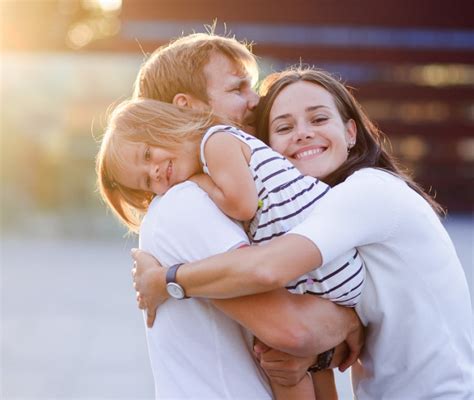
x=309 y=152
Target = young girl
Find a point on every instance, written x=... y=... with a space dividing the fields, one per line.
x=151 y=146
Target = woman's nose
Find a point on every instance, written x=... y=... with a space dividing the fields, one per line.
x=303 y=132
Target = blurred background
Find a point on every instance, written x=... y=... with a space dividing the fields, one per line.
x=69 y=325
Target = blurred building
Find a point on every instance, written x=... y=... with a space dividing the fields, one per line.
x=411 y=64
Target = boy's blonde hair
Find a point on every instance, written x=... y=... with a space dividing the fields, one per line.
x=178 y=67
x=144 y=121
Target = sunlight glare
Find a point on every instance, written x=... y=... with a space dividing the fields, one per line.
x=110 y=5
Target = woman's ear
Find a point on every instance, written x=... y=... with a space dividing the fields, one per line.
x=351 y=131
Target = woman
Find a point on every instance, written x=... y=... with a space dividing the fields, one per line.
x=415 y=304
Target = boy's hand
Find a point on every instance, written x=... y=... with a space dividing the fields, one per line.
x=149 y=281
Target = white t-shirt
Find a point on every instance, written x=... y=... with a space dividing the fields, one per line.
x=196 y=351
x=415 y=302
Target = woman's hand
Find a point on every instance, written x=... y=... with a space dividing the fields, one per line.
x=149 y=281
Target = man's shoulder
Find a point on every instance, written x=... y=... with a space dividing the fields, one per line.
x=186 y=223
x=184 y=205
x=185 y=194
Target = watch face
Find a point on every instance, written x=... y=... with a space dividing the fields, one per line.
x=175 y=290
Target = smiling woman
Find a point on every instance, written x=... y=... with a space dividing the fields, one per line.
x=306 y=127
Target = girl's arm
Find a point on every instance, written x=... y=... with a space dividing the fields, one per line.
x=231 y=185
x=325 y=385
x=303 y=390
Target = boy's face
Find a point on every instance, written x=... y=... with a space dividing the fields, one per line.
x=230 y=91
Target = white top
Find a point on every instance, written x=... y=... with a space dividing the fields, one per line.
x=415 y=302
x=196 y=351
x=286 y=198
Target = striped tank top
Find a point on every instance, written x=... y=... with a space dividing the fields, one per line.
x=286 y=198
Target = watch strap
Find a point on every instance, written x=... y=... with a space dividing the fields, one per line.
x=171 y=278
x=323 y=361
x=171 y=273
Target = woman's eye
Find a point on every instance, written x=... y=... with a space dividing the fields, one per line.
x=318 y=120
x=147 y=154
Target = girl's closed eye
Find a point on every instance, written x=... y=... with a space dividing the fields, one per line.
x=147 y=154
x=282 y=129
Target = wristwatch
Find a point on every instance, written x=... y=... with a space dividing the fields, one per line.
x=173 y=288
x=322 y=361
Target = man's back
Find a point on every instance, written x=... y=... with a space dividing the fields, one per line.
x=196 y=351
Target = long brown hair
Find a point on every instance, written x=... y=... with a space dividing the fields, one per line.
x=370 y=149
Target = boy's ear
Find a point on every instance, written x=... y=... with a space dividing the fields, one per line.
x=187 y=100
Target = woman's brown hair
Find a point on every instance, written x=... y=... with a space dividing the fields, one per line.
x=370 y=147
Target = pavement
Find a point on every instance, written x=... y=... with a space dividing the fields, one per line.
x=70 y=327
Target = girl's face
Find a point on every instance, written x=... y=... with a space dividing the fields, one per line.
x=306 y=127
x=154 y=169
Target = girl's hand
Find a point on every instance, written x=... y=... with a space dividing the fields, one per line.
x=149 y=281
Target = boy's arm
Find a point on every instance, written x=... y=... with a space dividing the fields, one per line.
x=231 y=185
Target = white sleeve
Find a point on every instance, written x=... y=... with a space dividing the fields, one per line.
x=363 y=209
x=185 y=225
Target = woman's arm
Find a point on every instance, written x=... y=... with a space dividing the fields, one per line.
x=303 y=324
x=236 y=273
x=231 y=185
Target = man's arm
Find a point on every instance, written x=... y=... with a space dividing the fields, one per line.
x=301 y=325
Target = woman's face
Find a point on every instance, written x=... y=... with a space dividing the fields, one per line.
x=154 y=169
x=306 y=127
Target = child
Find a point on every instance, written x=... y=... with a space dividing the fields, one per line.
x=150 y=146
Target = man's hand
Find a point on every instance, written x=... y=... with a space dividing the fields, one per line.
x=149 y=280
x=282 y=368
x=355 y=342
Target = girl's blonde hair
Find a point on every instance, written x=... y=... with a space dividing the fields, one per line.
x=144 y=121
